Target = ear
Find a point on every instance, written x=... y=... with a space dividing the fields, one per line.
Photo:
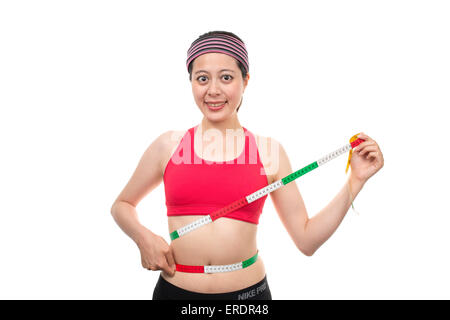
x=246 y=80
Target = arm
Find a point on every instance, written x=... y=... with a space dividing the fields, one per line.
x=155 y=252
x=309 y=234
x=320 y=227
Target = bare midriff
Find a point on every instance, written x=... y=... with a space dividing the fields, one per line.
x=225 y=241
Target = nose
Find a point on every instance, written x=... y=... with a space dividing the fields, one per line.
x=213 y=88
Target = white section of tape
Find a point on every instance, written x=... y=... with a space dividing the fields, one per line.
x=262 y=192
x=334 y=154
x=194 y=225
x=223 y=268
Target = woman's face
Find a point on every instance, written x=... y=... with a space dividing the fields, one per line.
x=217 y=79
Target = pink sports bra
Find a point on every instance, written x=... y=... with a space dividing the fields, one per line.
x=194 y=186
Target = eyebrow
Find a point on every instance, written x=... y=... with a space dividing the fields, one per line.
x=208 y=72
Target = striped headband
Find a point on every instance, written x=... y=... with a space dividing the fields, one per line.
x=221 y=43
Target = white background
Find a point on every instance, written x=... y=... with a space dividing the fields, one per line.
x=86 y=86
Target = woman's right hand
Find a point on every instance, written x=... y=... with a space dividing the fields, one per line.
x=156 y=254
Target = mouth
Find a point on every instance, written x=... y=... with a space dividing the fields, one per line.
x=215 y=106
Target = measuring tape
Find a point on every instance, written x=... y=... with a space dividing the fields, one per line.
x=354 y=141
x=217 y=269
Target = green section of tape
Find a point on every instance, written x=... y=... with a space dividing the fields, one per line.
x=299 y=173
x=250 y=261
x=174 y=235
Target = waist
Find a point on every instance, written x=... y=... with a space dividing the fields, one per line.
x=223 y=242
x=218 y=282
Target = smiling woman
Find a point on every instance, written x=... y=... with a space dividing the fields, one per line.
x=192 y=266
x=221 y=259
x=217 y=63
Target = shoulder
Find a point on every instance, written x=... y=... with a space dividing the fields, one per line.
x=149 y=172
x=172 y=138
x=168 y=142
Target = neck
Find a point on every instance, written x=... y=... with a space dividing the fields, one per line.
x=207 y=137
x=229 y=124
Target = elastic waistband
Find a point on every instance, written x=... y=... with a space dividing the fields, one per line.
x=217 y=268
x=165 y=290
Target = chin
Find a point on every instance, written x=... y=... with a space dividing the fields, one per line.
x=215 y=115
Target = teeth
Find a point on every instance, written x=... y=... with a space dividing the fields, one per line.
x=215 y=105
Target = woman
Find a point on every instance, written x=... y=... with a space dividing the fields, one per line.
x=198 y=182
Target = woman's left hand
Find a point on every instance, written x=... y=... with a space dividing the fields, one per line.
x=367 y=159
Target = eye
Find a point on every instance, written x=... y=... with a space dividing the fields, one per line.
x=200 y=77
x=227 y=77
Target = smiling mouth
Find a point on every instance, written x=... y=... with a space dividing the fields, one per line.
x=215 y=105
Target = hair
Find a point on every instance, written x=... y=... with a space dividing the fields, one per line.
x=239 y=64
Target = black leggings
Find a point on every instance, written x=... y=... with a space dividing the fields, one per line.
x=164 y=290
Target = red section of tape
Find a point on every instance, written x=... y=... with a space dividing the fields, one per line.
x=191 y=269
x=229 y=208
x=356 y=142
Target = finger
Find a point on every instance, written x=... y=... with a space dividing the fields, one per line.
x=363 y=145
x=367 y=149
x=170 y=260
x=362 y=135
x=373 y=155
x=146 y=264
x=366 y=138
x=164 y=266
